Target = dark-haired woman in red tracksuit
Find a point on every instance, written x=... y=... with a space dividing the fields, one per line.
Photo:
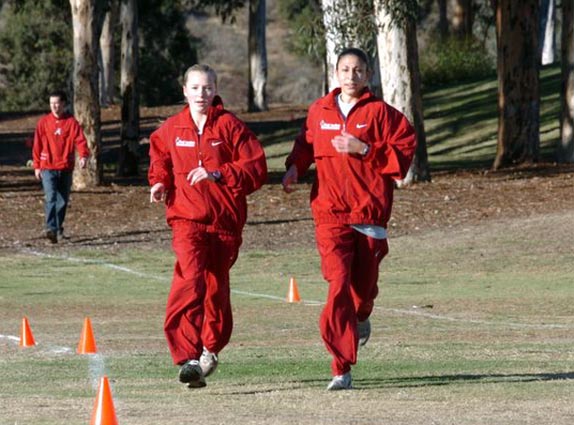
x=359 y=145
x=204 y=161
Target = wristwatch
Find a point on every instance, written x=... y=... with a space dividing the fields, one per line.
x=216 y=175
x=366 y=149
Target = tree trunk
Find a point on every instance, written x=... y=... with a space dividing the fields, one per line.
x=400 y=77
x=332 y=37
x=518 y=82
x=462 y=18
x=257 y=56
x=565 y=148
x=442 y=19
x=86 y=105
x=547 y=34
x=340 y=19
x=129 y=146
x=107 y=52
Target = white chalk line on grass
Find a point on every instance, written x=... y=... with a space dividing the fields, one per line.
x=96 y=365
x=416 y=313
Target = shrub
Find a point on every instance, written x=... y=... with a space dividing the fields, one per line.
x=454 y=60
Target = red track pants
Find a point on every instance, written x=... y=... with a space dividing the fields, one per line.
x=198 y=310
x=350 y=264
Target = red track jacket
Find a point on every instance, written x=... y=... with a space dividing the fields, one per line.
x=350 y=188
x=226 y=145
x=55 y=140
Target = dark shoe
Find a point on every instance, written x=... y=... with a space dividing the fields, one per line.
x=364 y=331
x=190 y=373
x=52 y=236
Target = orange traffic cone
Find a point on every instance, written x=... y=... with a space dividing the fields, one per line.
x=293 y=295
x=26 y=337
x=87 y=344
x=104 y=412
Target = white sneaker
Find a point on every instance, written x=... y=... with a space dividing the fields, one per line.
x=341 y=382
x=190 y=373
x=364 y=331
x=208 y=362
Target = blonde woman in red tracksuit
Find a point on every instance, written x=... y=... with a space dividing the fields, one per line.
x=359 y=145
x=204 y=161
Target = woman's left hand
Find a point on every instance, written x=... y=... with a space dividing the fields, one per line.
x=347 y=143
x=198 y=174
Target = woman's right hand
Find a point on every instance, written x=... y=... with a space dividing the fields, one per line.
x=157 y=193
x=290 y=178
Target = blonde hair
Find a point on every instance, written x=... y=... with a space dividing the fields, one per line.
x=200 y=67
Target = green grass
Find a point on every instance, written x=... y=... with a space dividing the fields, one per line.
x=498 y=335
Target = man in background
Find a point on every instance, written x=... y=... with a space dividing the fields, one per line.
x=57 y=136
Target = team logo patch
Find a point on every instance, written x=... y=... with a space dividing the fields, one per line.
x=329 y=126
x=184 y=143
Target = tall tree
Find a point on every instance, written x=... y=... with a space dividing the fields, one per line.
x=129 y=146
x=257 y=95
x=400 y=76
x=107 y=54
x=462 y=18
x=547 y=44
x=518 y=82
x=348 y=23
x=442 y=19
x=85 y=20
x=332 y=11
x=565 y=148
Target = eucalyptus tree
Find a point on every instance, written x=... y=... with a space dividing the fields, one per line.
x=518 y=82
x=107 y=53
x=257 y=51
x=565 y=147
x=547 y=44
x=349 y=23
x=400 y=76
x=129 y=137
x=86 y=21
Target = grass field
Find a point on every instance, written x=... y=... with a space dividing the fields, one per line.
x=472 y=327
x=473 y=324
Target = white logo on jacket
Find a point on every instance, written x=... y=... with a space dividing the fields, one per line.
x=58 y=132
x=216 y=142
x=361 y=125
x=184 y=143
x=329 y=126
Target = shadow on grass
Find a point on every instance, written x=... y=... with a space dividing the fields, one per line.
x=440 y=380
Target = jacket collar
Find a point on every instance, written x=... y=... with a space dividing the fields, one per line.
x=215 y=110
x=330 y=99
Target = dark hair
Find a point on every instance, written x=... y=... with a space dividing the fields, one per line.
x=354 y=51
x=61 y=94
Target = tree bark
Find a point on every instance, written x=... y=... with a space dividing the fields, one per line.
x=547 y=42
x=462 y=18
x=85 y=81
x=257 y=95
x=565 y=148
x=107 y=53
x=129 y=147
x=518 y=82
x=400 y=77
x=442 y=19
x=332 y=37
